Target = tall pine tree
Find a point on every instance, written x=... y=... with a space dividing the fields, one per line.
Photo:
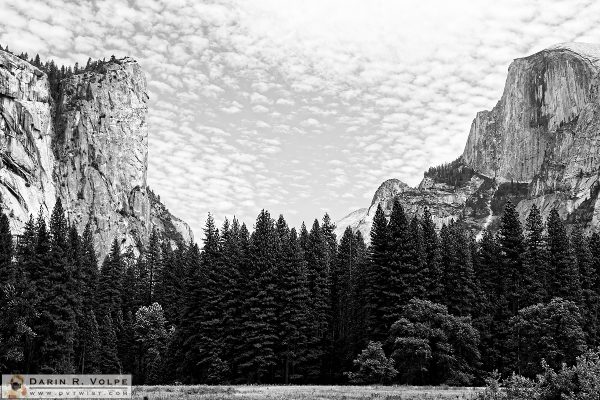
x=535 y=284
x=564 y=279
x=378 y=280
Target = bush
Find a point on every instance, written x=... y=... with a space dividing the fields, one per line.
x=578 y=382
x=373 y=366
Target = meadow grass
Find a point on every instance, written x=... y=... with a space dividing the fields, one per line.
x=265 y=392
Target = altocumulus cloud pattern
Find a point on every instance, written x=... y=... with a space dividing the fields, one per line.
x=299 y=107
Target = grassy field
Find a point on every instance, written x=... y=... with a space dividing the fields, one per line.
x=303 y=393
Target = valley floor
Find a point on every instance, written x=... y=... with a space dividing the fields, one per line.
x=248 y=392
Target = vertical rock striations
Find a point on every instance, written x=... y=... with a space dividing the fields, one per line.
x=545 y=131
x=90 y=148
x=26 y=131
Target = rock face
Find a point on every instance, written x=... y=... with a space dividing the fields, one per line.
x=165 y=222
x=90 y=148
x=539 y=145
x=26 y=131
x=445 y=201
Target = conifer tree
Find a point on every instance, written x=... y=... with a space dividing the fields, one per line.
x=169 y=281
x=418 y=262
x=58 y=300
x=459 y=293
x=303 y=238
x=594 y=245
x=245 y=285
x=109 y=362
x=90 y=345
x=15 y=311
x=291 y=299
x=511 y=241
x=110 y=283
x=447 y=248
x=330 y=239
x=564 y=275
x=488 y=270
x=7 y=269
x=89 y=269
x=152 y=264
x=142 y=277
x=316 y=256
x=209 y=328
x=534 y=288
x=233 y=261
x=345 y=301
x=359 y=294
x=186 y=334
x=257 y=359
x=400 y=270
x=378 y=279
x=26 y=250
x=432 y=257
x=589 y=305
x=27 y=266
x=76 y=289
x=15 y=331
x=492 y=319
x=128 y=295
x=127 y=349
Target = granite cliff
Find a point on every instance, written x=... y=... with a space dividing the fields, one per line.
x=87 y=144
x=539 y=145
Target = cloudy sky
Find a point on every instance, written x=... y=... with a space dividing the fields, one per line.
x=300 y=107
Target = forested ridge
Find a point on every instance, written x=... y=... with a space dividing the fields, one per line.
x=276 y=305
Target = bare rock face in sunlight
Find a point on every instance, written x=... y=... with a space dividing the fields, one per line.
x=101 y=145
x=165 y=222
x=445 y=201
x=26 y=131
x=539 y=145
x=90 y=148
x=545 y=131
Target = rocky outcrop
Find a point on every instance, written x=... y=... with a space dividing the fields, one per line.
x=26 y=131
x=539 y=145
x=90 y=148
x=101 y=148
x=545 y=132
x=445 y=201
x=169 y=225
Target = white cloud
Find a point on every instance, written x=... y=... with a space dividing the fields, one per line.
x=265 y=103
x=260 y=109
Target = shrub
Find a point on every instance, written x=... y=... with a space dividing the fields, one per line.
x=373 y=366
x=578 y=382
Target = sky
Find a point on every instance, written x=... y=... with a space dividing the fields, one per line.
x=300 y=107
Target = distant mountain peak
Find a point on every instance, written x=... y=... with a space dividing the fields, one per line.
x=539 y=145
x=388 y=188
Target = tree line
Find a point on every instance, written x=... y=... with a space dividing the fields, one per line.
x=56 y=73
x=277 y=305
